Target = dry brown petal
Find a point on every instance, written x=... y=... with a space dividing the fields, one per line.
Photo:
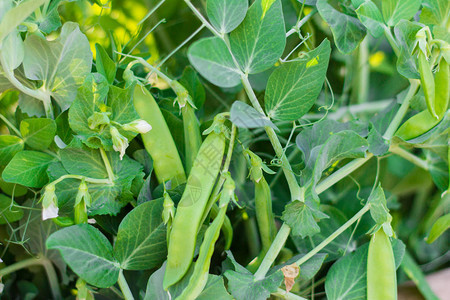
x=290 y=272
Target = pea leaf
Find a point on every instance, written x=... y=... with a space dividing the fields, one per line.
x=192 y=83
x=378 y=209
x=435 y=12
x=245 y=116
x=141 y=239
x=38 y=133
x=104 y=64
x=211 y=58
x=28 y=168
x=347 y=31
x=369 y=14
x=294 y=87
x=226 y=15
x=9 y=211
x=61 y=64
x=405 y=33
x=241 y=285
x=394 y=11
x=9 y=146
x=83 y=161
x=82 y=247
x=302 y=219
x=438 y=228
x=259 y=41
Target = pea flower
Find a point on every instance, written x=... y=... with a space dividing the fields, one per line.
x=138 y=126
x=49 y=203
x=120 y=143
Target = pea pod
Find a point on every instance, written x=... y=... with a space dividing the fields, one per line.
x=191 y=207
x=381 y=271
x=201 y=269
x=427 y=80
x=227 y=228
x=159 y=142
x=192 y=136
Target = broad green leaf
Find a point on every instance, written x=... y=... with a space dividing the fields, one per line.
x=13 y=17
x=369 y=14
x=31 y=106
x=405 y=33
x=122 y=107
x=28 y=168
x=104 y=64
x=9 y=146
x=88 y=253
x=435 y=12
x=9 y=212
x=347 y=31
x=259 y=41
x=394 y=10
x=226 y=15
x=438 y=228
x=211 y=58
x=61 y=64
x=294 y=87
x=302 y=219
x=310 y=268
x=194 y=86
x=245 y=116
x=243 y=284
x=12 y=50
x=38 y=133
x=141 y=240
x=12 y=189
x=83 y=161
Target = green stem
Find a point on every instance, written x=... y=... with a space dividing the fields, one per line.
x=20 y=265
x=52 y=278
x=395 y=123
x=361 y=80
x=391 y=40
x=10 y=125
x=124 y=287
x=108 y=167
x=301 y=22
x=287 y=295
x=333 y=235
x=410 y=157
x=202 y=19
x=80 y=177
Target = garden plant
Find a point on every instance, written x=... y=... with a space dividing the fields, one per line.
x=223 y=149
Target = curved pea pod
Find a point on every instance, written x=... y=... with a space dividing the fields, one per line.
x=427 y=80
x=264 y=214
x=192 y=136
x=227 y=228
x=191 y=207
x=381 y=271
x=159 y=142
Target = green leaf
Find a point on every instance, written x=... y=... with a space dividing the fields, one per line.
x=122 y=107
x=435 y=12
x=245 y=116
x=302 y=219
x=310 y=268
x=226 y=15
x=369 y=14
x=214 y=289
x=9 y=146
x=88 y=253
x=38 y=133
x=259 y=41
x=377 y=144
x=294 y=87
x=438 y=228
x=9 y=212
x=347 y=31
x=61 y=64
x=12 y=50
x=211 y=58
x=394 y=10
x=31 y=106
x=104 y=64
x=13 y=17
x=193 y=85
x=378 y=209
x=242 y=285
x=83 y=161
x=28 y=168
x=405 y=34
x=141 y=240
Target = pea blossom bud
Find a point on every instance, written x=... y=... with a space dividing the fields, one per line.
x=83 y=194
x=120 y=143
x=169 y=209
x=49 y=203
x=138 y=126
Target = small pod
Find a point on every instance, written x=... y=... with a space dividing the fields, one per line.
x=191 y=208
x=159 y=142
x=381 y=271
x=427 y=80
x=192 y=136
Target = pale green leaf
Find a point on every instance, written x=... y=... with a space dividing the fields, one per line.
x=226 y=15
x=369 y=14
x=439 y=227
x=9 y=212
x=38 y=133
x=435 y=12
x=245 y=116
x=395 y=10
x=9 y=146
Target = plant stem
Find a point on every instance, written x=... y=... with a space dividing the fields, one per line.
x=202 y=19
x=410 y=157
x=80 y=177
x=287 y=295
x=20 y=265
x=109 y=170
x=124 y=287
x=360 y=91
x=393 y=126
x=301 y=22
x=391 y=40
x=52 y=278
x=10 y=125
x=334 y=235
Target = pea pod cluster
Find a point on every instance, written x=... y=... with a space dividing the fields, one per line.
x=190 y=209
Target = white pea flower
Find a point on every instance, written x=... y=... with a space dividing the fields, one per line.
x=49 y=203
x=120 y=143
x=138 y=126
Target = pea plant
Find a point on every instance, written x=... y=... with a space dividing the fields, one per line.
x=223 y=149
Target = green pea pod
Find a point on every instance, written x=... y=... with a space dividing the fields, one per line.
x=227 y=228
x=442 y=80
x=201 y=269
x=264 y=214
x=381 y=271
x=159 y=142
x=192 y=136
x=427 y=80
x=191 y=207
